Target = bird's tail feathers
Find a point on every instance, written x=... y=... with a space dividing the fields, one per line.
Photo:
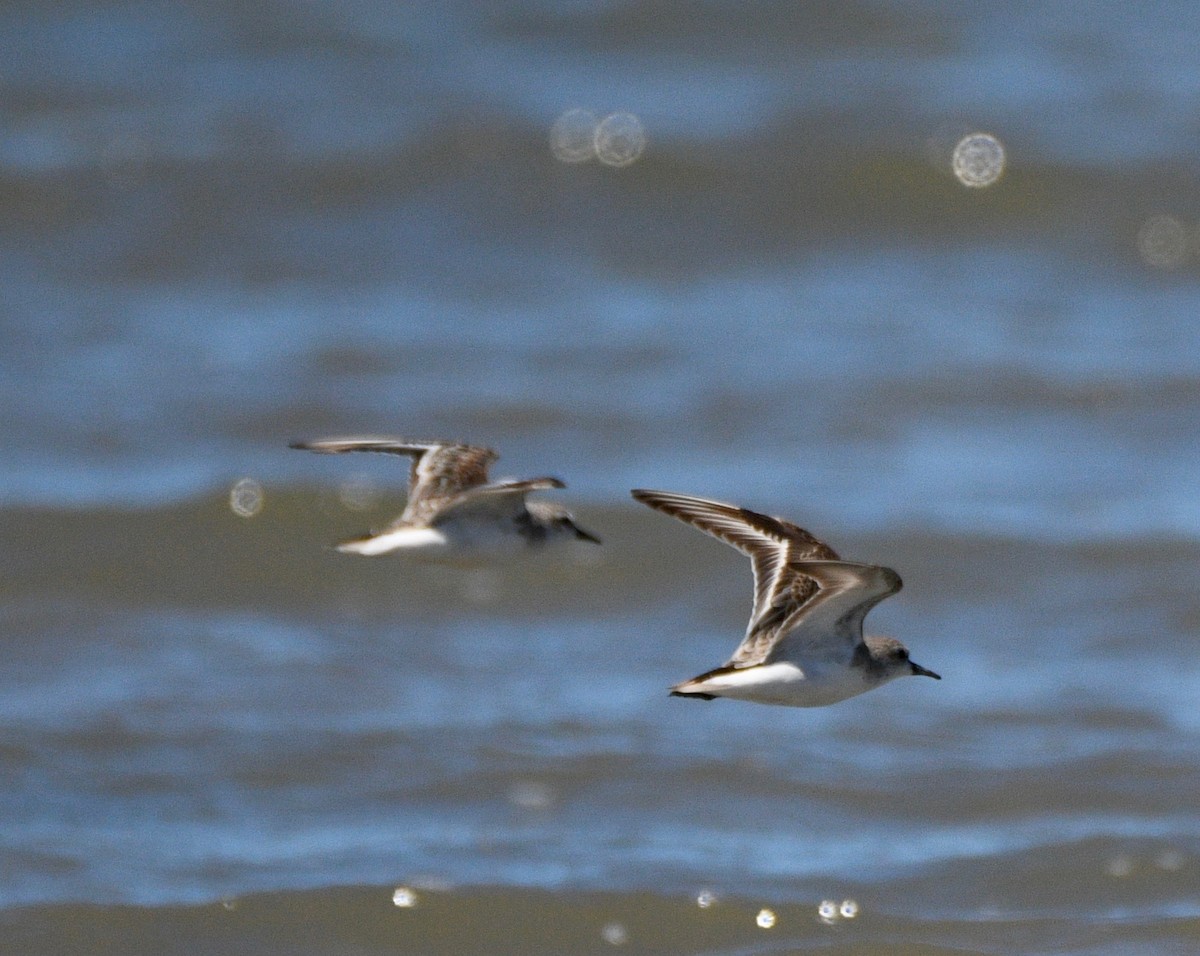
x=692 y=689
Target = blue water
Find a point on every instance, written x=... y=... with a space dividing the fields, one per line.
x=226 y=228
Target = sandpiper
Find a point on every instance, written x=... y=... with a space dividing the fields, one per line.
x=804 y=645
x=454 y=515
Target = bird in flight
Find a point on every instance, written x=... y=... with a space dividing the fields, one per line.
x=454 y=514
x=804 y=644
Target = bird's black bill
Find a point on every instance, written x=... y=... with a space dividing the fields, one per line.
x=920 y=671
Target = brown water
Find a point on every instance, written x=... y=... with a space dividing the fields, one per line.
x=364 y=920
x=201 y=706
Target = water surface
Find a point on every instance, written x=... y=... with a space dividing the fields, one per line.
x=225 y=228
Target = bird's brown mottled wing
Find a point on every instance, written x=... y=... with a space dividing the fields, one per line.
x=498 y=498
x=845 y=593
x=440 y=470
x=773 y=546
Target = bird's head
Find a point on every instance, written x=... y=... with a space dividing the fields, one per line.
x=889 y=659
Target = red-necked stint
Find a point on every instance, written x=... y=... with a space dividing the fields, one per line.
x=454 y=515
x=804 y=645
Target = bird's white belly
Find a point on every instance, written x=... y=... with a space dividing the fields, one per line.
x=789 y=684
x=401 y=539
x=467 y=544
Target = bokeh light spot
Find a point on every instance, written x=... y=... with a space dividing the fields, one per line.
x=573 y=136
x=1169 y=860
x=765 y=918
x=246 y=498
x=403 y=897
x=619 y=139
x=848 y=909
x=1162 y=242
x=531 y=795
x=978 y=160
x=358 y=493
x=614 y=934
x=705 y=899
x=1119 y=866
x=827 y=911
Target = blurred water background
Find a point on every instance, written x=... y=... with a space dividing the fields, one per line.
x=224 y=226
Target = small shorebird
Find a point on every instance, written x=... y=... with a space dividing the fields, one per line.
x=454 y=514
x=804 y=645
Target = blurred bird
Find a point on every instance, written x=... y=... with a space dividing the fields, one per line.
x=454 y=515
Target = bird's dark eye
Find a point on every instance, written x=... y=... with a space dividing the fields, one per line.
x=902 y=654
